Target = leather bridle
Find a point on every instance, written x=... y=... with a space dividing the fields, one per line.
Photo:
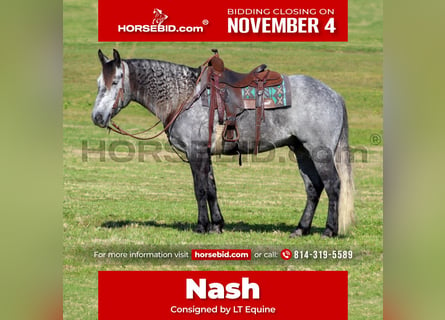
x=171 y=118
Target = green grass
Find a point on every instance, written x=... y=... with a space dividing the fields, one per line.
x=134 y=205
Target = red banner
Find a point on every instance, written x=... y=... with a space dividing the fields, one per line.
x=230 y=20
x=223 y=294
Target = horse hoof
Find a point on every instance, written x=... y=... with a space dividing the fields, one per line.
x=216 y=228
x=296 y=233
x=328 y=233
x=299 y=232
x=201 y=229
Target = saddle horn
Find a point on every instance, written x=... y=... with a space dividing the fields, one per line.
x=216 y=62
x=260 y=68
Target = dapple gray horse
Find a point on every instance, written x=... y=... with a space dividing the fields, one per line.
x=314 y=127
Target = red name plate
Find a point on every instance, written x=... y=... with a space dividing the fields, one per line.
x=230 y=20
x=223 y=294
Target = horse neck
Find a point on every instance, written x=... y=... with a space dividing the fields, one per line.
x=161 y=86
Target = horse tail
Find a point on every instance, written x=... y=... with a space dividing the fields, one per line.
x=344 y=170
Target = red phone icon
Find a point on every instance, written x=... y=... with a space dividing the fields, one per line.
x=286 y=254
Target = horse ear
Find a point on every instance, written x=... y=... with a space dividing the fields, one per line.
x=103 y=58
x=117 y=58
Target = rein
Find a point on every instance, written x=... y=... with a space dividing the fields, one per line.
x=120 y=97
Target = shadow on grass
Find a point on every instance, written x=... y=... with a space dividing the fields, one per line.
x=240 y=226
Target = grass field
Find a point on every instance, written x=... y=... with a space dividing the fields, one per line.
x=141 y=196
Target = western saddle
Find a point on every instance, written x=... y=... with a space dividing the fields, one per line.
x=226 y=96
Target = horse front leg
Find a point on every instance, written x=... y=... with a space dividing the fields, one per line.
x=212 y=199
x=205 y=193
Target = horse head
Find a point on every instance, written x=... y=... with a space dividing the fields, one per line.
x=111 y=96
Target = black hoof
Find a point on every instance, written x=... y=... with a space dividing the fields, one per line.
x=201 y=229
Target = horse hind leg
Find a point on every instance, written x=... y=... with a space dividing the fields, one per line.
x=325 y=165
x=313 y=185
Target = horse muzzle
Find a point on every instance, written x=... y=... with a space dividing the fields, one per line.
x=99 y=120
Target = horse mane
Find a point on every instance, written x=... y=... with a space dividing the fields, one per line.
x=161 y=86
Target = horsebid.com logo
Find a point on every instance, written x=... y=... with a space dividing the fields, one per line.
x=157 y=25
x=159 y=17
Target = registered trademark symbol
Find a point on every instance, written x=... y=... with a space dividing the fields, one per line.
x=375 y=139
x=205 y=22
